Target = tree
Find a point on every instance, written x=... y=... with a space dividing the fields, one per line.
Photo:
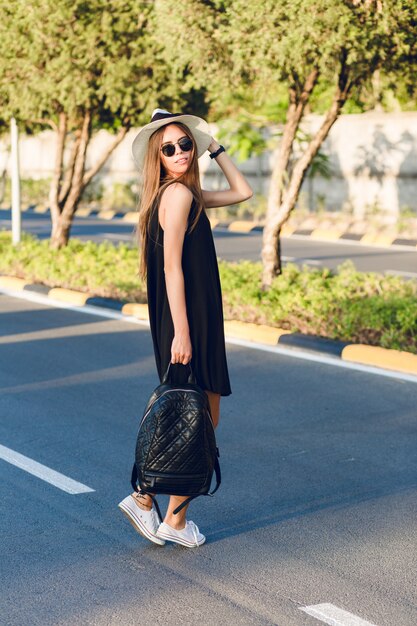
x=250 y=47
x=77 y=66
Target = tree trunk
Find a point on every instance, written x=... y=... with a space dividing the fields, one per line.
x=282 y=201
x=60 y=233
x=270 y=246
x=67 y=189
x=59 y=162
x=61 y=228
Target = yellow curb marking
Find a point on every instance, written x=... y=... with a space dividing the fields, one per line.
x=368 y=238
x=327 y=234
x=41 y=209
x=396 y=360
x=240 y=226
x=69 y=295
x=213 y=222
x=106 y=215
x=381 y=357
x=131 y=217
x=384 y=240
x=136 y=310
x=377 y=240
x=83 y=212
x=254 y=332
x=287 y=230
x=11 y=282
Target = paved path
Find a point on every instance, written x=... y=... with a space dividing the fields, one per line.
x=234 y=246
x=317 y=506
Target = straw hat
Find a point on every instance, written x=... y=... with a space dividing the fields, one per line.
x=197 y=126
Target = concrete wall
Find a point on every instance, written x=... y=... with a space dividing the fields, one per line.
x=373 y=159
x=374 y=162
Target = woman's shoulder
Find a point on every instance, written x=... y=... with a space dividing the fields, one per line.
x=176 y=197
x=177 y=192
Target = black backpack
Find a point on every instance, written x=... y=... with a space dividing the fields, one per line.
x=176 y=452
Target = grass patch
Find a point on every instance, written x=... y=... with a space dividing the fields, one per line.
x=103 y=269
x=365 y=307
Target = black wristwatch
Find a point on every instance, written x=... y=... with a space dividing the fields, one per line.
x=213 y=155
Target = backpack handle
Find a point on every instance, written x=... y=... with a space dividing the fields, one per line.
x=167 y=376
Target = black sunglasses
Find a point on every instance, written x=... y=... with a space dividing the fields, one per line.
x=185 y=144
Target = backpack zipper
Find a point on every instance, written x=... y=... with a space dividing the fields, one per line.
x=168 y=391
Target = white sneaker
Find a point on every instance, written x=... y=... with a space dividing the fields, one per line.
x=145 y=522
x=189 y=536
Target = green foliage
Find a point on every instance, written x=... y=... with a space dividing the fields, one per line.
x=243 y=137
x=79 y=55
x=32 y=191
x=106 y=270
x=119 y=196
x=348 y=305
x=285 y=40
x=94 y=191
x=246 y=53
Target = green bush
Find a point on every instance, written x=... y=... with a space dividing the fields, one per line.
x=347 y=305
x=93 y=192
x=105 y=269
x=119 y=196
x=369 y=308
x=31 y=191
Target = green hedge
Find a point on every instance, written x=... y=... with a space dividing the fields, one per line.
x=348 y=305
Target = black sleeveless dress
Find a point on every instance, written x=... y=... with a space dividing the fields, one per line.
x=203 y=301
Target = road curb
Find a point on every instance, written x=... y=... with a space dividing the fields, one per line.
x=334 y=234
x=12 y=282
x=79 y=298
x=395 y=360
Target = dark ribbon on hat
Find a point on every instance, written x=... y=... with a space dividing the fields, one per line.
x=163 y=116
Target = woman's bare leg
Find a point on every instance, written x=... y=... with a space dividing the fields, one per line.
x=178 y=521
x=214 y=401
x=143 y=500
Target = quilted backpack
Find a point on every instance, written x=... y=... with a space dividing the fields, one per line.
x=176 y=452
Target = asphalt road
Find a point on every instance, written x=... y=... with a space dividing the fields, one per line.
x=317 y=505
x=235 y=246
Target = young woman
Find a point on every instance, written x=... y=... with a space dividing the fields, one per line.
x=179 y=263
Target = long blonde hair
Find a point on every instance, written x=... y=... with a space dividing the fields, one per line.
x=155 y=180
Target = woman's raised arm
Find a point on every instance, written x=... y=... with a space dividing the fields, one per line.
x=240 y=189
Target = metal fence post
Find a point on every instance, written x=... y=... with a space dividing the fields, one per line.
x=16 y=212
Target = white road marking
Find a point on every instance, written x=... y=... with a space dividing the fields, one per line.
x=39 y=298
x=42 y=471
x=119 y=236
x=326 y=360
x=332 y=615
x=291 y=352
x=295 y=259
x=399 y=273
x=308 y=261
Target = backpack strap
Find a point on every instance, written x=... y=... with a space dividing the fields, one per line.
x=218 y=473
x=218 y=483
x=183 y=504
x=158 y=510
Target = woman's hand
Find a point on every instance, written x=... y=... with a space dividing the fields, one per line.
x=214 y=145
x=181 y=348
